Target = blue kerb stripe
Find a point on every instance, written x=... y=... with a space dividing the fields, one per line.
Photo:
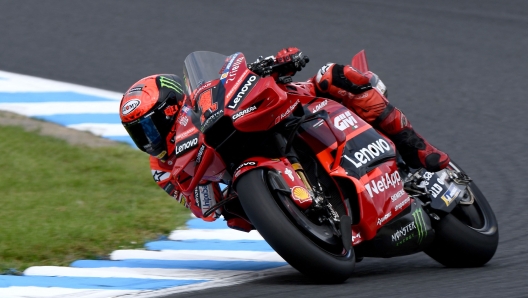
x=48 y=96
x=180 y=264
x=92 y=282
x=70 y=119
x=198 y=223
x=250 y=245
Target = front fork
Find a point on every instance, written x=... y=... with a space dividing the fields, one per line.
x=321 y=209
x=292 y=157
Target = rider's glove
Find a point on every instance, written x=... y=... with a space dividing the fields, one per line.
x=341 y=81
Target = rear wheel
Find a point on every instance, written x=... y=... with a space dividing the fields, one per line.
x=312 y=249
x=469 y=235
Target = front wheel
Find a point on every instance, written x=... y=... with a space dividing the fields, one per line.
x=273 y=221
x=468 y=236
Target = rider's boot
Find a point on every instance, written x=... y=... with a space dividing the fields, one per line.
x=413 y=148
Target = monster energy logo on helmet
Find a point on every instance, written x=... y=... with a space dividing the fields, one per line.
x=420 y=224
x=170 y=83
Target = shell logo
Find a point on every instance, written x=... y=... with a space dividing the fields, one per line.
x=300 y=193
x=130 y=106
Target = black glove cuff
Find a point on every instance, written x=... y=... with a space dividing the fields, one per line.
x=339 y=80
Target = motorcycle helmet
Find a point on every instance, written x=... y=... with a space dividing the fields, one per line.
x=148 y=111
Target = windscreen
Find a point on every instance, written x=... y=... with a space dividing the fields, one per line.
x=201 y=67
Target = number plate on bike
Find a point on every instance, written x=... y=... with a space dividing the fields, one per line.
x=442 y=191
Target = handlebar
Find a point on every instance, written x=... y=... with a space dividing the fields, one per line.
x=266 y=66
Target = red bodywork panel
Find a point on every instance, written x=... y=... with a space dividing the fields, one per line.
x=345 y=145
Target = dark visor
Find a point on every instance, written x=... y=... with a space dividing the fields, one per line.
x=148 y=132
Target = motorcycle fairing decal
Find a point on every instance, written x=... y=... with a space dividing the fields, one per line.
x=287 y=112
x=245 y=88
x=246 y=111
x=298 y=193
x=228 y=62
x=205 y=102
x=444 y=194
x=365 y=151
x=234 y=87
x=249 y=164
x=187 y=144
x=210 y=105
x=409 y=232
x=235 y=64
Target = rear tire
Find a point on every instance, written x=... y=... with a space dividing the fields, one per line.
x=285 y=237
x=468 y=236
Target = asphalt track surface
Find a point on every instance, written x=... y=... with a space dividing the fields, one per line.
x=458 y=69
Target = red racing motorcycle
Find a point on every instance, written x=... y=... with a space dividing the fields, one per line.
x=322 y=186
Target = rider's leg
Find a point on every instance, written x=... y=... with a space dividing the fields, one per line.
x=353 y=89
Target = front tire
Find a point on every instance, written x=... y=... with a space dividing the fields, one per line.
x=285 y=237
x=468 y=236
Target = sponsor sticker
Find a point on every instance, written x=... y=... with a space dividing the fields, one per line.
x=186 y=145
x=420 y=224
x=322 y=71
x=287 y=112
x=244 y=112
x=300 y=193
x=451 y=193
x=183 y=120
x=320 y=106
x=211 y=119
x=160 y=175
x=345 y=120
x=289 y=173
x=383 y=219
x=183 y=135
x=382 y=184
x=403 y=231
x=371 y=151
x=241 y=93
x=130 y=106
x=200 y=154
x=397 y=195
x=234 y=68
x=402 y=204
x=355 y=237
x=206 y=103
x=206 y=196
x=244 y=164
x=135 y=89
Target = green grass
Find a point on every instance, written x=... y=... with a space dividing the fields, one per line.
x=60 y=203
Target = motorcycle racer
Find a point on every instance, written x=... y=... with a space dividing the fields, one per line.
x=355 y=90
x=149 y=110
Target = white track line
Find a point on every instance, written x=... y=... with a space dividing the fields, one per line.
x=118 y=272
x=42 y=292
x=217 y=255
x=214 y=284
x=14 y=82
x=219 y=234
x=53 y=108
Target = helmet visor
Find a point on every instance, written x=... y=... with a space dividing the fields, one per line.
x=148 y=133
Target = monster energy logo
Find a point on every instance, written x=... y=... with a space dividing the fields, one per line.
x=420 y=224
x=170 y=83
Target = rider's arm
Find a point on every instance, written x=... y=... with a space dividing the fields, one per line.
x=198 y=202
